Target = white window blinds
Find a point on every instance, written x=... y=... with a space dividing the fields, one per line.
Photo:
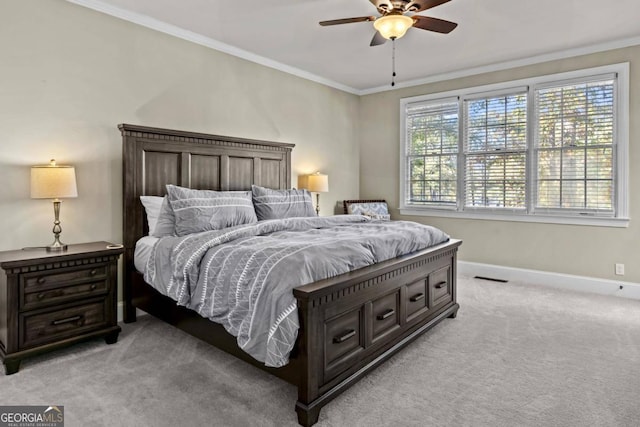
x=552 y=148
x=495 y=149
x=575 y=147
x=432 y=153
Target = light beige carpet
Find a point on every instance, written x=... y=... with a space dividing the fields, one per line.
x=517 y=355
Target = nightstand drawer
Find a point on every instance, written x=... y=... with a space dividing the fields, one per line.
x=58 y=295
x=49 y=279
x=55 y=325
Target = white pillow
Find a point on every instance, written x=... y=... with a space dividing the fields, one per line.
x=152 y=205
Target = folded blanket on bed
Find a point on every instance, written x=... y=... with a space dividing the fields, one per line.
x=243 y=276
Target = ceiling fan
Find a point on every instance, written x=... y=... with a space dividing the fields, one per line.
x=393 y=22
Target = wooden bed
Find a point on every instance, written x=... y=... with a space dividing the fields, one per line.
x=349 y=324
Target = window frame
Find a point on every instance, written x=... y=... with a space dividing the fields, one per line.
x=621 y=149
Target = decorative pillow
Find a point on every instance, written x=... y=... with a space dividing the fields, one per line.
x=379 y=208
x=373 y=215
x=152 y=206
x=202 y=210
x=277 y=204
x=166 y=225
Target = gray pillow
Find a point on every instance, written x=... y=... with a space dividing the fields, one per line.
x=166 y=223
x=277 y=204
x=203 y=210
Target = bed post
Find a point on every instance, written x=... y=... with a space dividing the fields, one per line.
x=132 y=218
x=310 y=358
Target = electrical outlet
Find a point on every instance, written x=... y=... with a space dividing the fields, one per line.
x=620 y=269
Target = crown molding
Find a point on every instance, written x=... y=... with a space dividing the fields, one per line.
x=500 y=66
x=190 y=36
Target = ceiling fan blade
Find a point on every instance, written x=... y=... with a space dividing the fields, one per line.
x=420 y=5
x=377 y=39
x=347 y=20
x=433 y=24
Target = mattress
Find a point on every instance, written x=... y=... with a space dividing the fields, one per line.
x=143 y=252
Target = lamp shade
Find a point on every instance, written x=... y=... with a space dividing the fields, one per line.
x=318 y=183
x=53 y=181
x=393 y=26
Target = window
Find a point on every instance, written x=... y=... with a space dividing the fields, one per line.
x=433 y=153
x=495 y=140
x=549 y=149
x=575 y=146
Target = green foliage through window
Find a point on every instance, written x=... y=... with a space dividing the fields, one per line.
x=432 y=153
x=574 y=149
x=495 y=148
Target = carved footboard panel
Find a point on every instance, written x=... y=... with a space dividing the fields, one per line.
x=354 y=322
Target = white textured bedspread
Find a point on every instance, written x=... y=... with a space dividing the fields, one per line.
x=243 y=276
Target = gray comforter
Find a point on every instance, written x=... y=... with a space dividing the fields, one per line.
x=243 y=276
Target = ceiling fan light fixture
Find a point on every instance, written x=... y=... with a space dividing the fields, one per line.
x=393 y=26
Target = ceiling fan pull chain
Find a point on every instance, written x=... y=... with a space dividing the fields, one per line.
x=393 y=62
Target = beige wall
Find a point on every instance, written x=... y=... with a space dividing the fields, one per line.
x=580 y=250
x=69 y=75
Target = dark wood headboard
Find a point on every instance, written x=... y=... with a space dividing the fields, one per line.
x=155 y=157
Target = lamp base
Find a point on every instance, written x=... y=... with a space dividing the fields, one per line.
x=60 y=247
x=57 y=245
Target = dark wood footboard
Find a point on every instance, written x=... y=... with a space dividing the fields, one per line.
x=352 y=323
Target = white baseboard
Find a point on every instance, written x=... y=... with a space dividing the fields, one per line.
x=617 y=288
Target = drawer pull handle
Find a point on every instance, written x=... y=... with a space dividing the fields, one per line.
x=93 y=272
x=417 y=297
x=51 y=294
x=441 y=285
x=41 y=280
x=92 y=287
x=67 y=320
x=342 y=338
x=386 y=314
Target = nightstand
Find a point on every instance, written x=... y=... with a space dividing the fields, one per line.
x=52 y=299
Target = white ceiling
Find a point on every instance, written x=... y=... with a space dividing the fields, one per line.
x=285 y=34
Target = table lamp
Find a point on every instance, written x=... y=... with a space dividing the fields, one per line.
x=55 y=182
x=318 y=183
